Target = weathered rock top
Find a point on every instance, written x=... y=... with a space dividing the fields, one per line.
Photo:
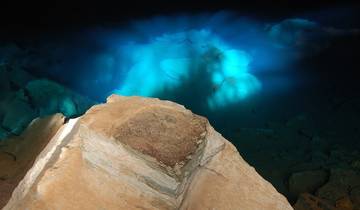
x=163 y=130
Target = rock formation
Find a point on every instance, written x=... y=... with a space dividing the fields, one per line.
x=307 y=181
x=25 y=97
x=139 y=153
x=17 y=154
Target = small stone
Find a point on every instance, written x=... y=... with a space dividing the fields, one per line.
x=344 y=204
x=306 y=181
x=341 y=180
x=307 y=201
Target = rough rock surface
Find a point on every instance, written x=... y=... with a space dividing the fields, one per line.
x=17 y=154
x=343 y=187
x=137 y=153
x=340 y=192
x=307 y=181
x=307 y=201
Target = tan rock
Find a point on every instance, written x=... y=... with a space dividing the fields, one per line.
x=141 y=153
x=307 y=201
x=18 y=154
x=344 y=204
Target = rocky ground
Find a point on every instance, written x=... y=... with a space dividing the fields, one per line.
x=311 y=158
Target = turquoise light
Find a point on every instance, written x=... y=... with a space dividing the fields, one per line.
x=169 y=61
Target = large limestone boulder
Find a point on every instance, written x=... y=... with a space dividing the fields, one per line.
x=140 y=153
x=18 y=153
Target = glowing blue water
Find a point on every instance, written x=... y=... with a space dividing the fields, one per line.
x=168 y=61
x=206 y=62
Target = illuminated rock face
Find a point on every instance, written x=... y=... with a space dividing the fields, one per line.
x=25 y=97
x=137 y=153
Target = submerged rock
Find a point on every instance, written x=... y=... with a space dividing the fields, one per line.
x=24 y=98
x=341 y=192
x=306 y=181
x=141 y=153
x=18 y=114
x=4 y=133
x=307 y=201
x=341 y=184
x=50 y=97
